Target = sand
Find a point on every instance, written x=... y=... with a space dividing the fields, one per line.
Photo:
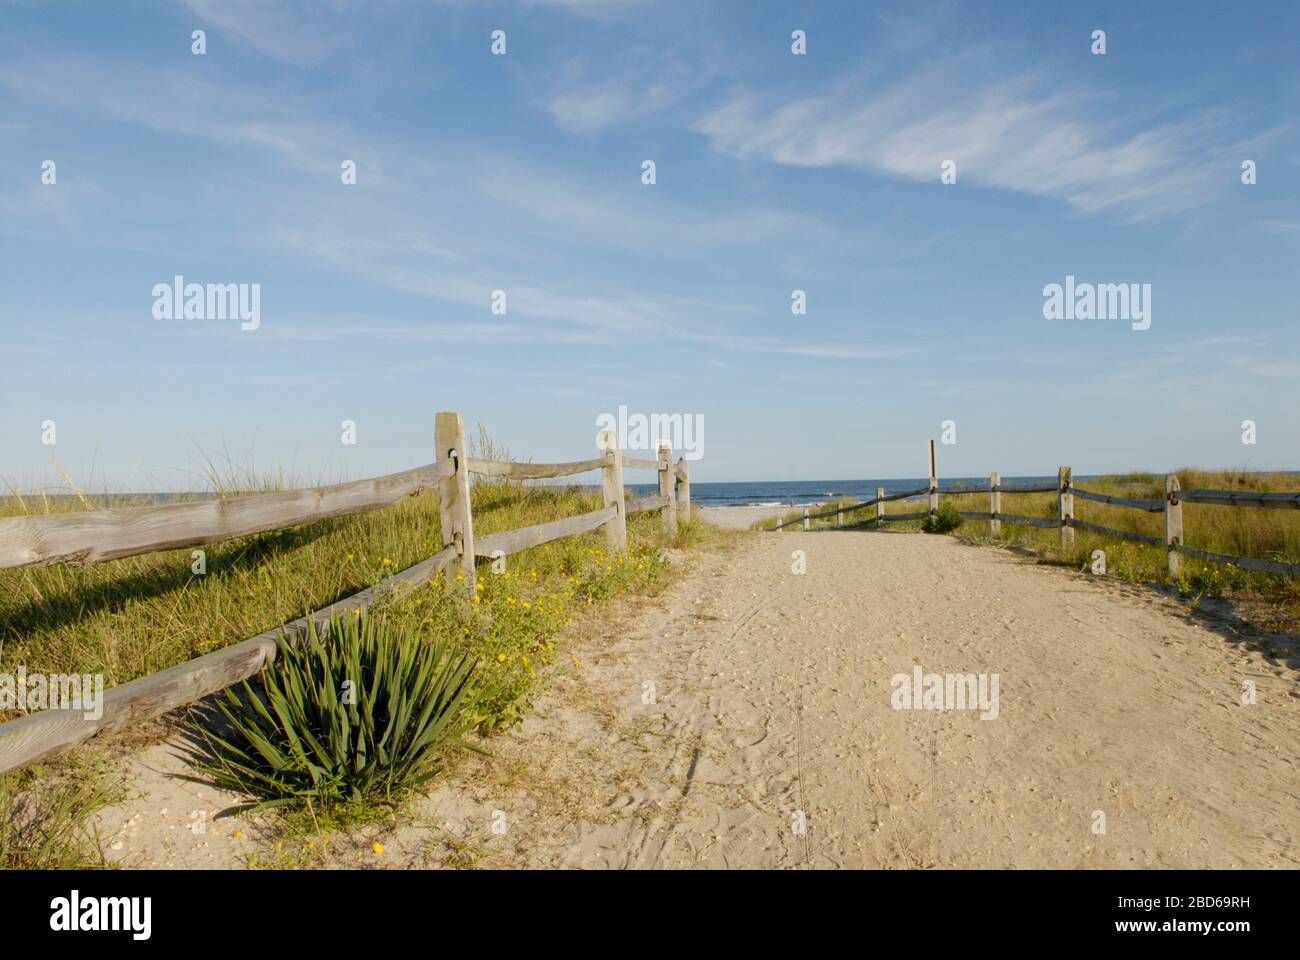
x=741 y=518
x=744 y=720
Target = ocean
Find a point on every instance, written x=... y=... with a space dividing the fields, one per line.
x=765 y=493
x=794 y=493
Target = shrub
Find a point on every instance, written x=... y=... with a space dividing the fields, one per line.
x=945 y=520
x=364 y=714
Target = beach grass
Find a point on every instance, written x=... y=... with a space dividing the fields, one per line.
x=45 y=813
x=131 y=617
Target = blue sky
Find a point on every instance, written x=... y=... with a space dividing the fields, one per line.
x=522 y=172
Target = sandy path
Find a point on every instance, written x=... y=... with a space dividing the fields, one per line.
x=772 y=696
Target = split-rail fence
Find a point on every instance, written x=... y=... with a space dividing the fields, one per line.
x=1171 y=506
x=93 y=536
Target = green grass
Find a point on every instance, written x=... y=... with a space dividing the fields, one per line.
x=1240 y=531
x=132 y=617
x=135 y=616
x=44 y=812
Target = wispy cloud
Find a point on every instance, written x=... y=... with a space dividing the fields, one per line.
x=298 y=32
x=585 y=98
x=1019 y=133
x=172 y=101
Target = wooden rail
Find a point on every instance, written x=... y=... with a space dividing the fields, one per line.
x=880 y=498
x=1150 y=506
x=50 y=732
x=1231 y=498
x=642 y=504
x=98 y=535
x=1170 y=506
x=536 y=471
x=92 y=536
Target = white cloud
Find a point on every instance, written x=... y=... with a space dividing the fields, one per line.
x=174 y=102
x=298 y=32
x=585 y=99
x=1013 y=134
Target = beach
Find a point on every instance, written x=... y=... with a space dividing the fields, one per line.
x=741 y=518
x=752 y=717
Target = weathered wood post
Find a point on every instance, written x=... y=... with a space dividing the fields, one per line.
x=806 y=525
x=453 y=492
x=995 y=503
x=667 y=483
x=934 y=484
x=880 y=507
x=1173 y=524
x=611 y=485
x=839 y=516
x=684 y=486
x=1065 y=503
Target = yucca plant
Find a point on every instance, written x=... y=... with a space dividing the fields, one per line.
x=363 y=713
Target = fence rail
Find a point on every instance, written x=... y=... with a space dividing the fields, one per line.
x=535 y=471
x=848 y=508
x=1170 y=505
x=97 y=535
x=1231 y=498
x=93 y=536
x=1150 y=506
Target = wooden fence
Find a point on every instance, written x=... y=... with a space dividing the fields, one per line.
x=94 y=536
x=1171 y=505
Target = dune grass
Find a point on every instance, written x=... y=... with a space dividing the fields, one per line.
x=1240 y=531
x=45 y=811
x=131 y=617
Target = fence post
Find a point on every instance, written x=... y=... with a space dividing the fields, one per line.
x=995 y=503
x=1065 y=501
x=667 y=483
x=611 y=485
x=839 y=517
x=934 y=484
x=806 y=525
x=684 y=487
x=1173 y=524
x=880 y=507
x=453 y=492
